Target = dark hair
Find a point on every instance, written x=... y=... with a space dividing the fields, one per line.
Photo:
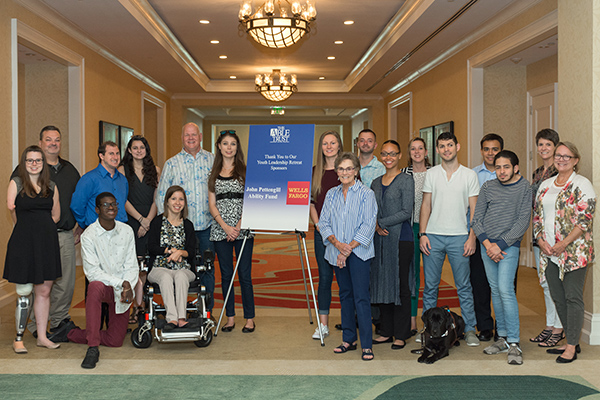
x=170 y=191
x=44 y=179
x=49 y=128
x=514 y=160
x=319 y=169
x=239 y=166
x=426 y=159
x=102 y=147
x=368 y=130
x=148 y=166
x=446 y=136
x=103 y=195
x=548 y=134
x=490 y=137
x=348 y=156
x=392 y=141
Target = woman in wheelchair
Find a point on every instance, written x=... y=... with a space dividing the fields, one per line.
x=172 y=244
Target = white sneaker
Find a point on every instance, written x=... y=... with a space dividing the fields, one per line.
x=324 y=331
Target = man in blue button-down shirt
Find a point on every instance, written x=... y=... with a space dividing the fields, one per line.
x=103 y=178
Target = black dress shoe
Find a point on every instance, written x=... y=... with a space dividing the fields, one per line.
x=226 y=328
x=486 y=335
x=91 y=358
x=561 y=360
x=245 y=329
x=59 y=335
x=388 y=340
x=560 y=351
x=338 y=327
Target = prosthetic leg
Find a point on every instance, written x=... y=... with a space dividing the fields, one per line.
x=21 y=314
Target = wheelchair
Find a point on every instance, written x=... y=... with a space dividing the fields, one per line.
x=201 y=325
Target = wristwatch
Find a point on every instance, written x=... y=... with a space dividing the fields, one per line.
x=422 y=234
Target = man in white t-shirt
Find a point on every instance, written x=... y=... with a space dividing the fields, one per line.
x=449 y=190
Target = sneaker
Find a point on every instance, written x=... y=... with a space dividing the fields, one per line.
x=471 y=338
x=324 y=331
x=499 y=346
x=515 y=354
x=91 y=358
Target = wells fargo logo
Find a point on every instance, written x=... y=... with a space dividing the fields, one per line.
x=298 y=193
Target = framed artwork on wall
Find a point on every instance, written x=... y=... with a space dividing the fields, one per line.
x=125 y=135
x=115 y=133
x=438 y=130
x=427 y=135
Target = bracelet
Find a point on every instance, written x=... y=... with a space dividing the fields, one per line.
x=127 y=290
x=140 y=219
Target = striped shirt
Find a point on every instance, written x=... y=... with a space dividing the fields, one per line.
x=352 y=218
x=191 y=173
x=502 y=213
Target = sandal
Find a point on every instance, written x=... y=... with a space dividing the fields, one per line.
x=542 y=337
x=367 y=355
x=135 y=313
x=553 y=340
x=344 y=347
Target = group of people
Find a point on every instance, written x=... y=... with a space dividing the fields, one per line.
x=122 y=210
x=373 y=239
x=373 y=222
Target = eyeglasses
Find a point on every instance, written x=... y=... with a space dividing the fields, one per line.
x=342 y=170
x=231 y=132
x=32 y=161
x=563 y=157
x=390 y=154
x=108 y=205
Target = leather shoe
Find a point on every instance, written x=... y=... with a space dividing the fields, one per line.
x=398 y=346
x=388 y=340
x=338 y=327
x=560 y=351
x=245 y=329
x=226 y=328
x=561 y=360
x=91 y=358
x=59 y=335
x=486 y=335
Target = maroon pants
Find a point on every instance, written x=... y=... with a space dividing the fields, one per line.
x=113 y=336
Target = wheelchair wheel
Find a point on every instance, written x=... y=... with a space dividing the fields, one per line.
x=146 y=340
x=204 y=342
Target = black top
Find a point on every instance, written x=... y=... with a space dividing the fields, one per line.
x=155 y=249
x=65 y=176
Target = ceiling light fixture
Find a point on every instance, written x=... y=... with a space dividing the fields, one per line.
x=277 y=32
x=204 y=21
x=265 y=85
x=214 y=42
x=349 y=22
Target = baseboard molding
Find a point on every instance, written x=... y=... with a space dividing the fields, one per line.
x=591 y=328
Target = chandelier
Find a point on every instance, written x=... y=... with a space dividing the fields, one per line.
x=265 y=84
x=277 y=32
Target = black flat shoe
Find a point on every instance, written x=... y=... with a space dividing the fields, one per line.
x=226 y=328
x=91 y=358
x=388 y=340
x=398 y=346
x=486 y=335
x=561 y=360
x=169 y=327
x=248 y=330
x=413 y=332
x=560 y=351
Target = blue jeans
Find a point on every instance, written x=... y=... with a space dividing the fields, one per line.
x=453 y=246
x=325 y=276
x=354 y=281
x=207 y=278
x=225 y=253
x=501 y=277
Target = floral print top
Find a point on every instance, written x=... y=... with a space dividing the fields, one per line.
x=575 y=206
x=171 y=236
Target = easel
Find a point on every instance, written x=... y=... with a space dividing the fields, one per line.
x=301 y=246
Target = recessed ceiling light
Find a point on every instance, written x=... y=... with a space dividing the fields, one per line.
x=331 y=58
x=339 y=42
x=214 y=42
x=204 y=21
x=349 y=22
x=321 y=77
x=232 y=77
x=222 y=57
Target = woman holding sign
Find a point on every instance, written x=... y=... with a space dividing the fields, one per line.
x=323 y=179
x=225 y=201
x=347 y=225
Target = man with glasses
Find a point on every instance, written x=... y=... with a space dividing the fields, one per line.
x=190 y=169
x=110 y=264
x=103 y=178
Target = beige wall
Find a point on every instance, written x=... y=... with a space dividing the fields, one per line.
x=543 y=72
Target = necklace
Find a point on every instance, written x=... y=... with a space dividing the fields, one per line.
x=557 y=183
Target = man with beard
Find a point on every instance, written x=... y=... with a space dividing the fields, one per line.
x=501 y=218
x=370 y=166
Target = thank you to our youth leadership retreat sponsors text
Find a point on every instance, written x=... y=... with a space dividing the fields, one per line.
x=279 y=162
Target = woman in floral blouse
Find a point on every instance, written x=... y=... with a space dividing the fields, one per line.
x=172 y=247
x=563 y=226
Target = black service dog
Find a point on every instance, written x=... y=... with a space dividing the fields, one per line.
x=442 y=330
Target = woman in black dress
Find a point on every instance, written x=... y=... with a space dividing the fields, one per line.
x=142 y=175
x=32 y=255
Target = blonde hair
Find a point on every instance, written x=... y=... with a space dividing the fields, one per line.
x=573 y=149
x=320 y=162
